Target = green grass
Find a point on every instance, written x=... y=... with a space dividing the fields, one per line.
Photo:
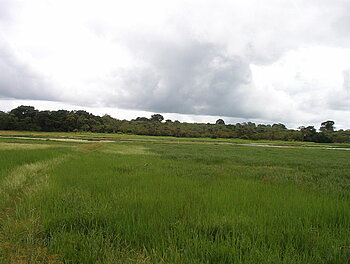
x=168 y=139
x=13 y=154
x=134 y=202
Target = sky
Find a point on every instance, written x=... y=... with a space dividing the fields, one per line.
x=271 y=61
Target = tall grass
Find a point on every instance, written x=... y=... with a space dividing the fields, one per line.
x=16 y=154
x=195 y=204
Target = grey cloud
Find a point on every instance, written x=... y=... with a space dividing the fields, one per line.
x=284 y=25
x=189 y=77
x=196 y=73
x=5 y=10
x=198 y=62
x=8 y=10
x=18 y=80
x=340 y=99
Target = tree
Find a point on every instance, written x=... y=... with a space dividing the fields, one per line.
x=25 y=117
x=220 y=122
x=323 y=137
x=279 y=126
x=28 y=118
x=45 y=121
x=327 y=126
x=23 y=111
x=5 y=121
x=309 y=133
x=157 y=118
x=144 y=119
x=110 y=124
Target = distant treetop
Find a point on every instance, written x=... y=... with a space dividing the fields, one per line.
x=327 y=126
x=220 y=122
x=28 y=118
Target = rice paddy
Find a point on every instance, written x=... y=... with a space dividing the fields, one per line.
x=172 y=202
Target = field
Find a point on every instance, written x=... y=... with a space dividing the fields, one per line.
x=133 y=199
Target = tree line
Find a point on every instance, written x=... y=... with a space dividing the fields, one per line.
x=27 y=118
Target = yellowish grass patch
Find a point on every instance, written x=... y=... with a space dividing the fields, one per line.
x=17 y=146
x=25 y=178
x=129 y=149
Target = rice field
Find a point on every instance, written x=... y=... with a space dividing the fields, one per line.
x=172 y=201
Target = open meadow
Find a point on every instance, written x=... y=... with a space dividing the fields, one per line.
x=134 y=199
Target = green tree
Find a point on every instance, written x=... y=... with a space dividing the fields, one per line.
x=279 y=126
x=5 y=121
x=327 y=126
x=323 y=138
x=220 y=122
x=23 y=111
x=25 y=117
x=143 y=119
x=45 y=121
x=309 y=133
x=157 y=118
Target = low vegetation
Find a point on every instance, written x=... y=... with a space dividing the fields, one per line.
x=157 y=202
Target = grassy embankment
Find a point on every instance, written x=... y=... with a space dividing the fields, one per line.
x=137 y=202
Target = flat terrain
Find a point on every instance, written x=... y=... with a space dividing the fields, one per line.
x=131 y=199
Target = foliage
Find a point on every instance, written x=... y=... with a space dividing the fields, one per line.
x=327 y=126
x=157 y=118
x=220 y=122
x=28 y=118
x=308 y=133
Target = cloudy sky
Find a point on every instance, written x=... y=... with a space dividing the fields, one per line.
x=243 y=60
